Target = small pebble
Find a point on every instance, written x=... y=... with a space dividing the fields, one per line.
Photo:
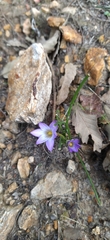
x=71 y=167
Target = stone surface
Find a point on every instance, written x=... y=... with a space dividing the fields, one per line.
x=15 y=156
x=5 y=135
x=7 y=219
x=29 y=86
x=12 y=187
x=23 y=167
x=95 y=65
x=28 y=218
x=70 y=167
x=54 y=184
x=106 y=162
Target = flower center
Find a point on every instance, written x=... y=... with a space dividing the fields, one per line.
x=70 y=144
x=49 y=133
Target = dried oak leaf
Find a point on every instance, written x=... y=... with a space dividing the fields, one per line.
x=91 y=104
x=85 y=125
x=65 y=81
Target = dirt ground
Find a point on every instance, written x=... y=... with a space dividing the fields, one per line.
x=68 y=217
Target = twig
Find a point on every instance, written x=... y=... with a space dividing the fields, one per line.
x=53 y=85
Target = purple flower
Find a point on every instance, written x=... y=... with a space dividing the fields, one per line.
x=73 y=145
x=46 y=134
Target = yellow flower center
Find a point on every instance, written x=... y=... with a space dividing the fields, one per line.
x=70 y=144
x=49 y=133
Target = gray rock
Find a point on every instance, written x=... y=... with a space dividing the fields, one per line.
x=7 y=220
x=54 y=184
x=71 y=167
x=29 y=86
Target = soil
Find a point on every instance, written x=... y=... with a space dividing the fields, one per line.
x=78 y=216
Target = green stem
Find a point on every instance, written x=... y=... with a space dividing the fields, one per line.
x=91 y=182
x=75 y=96
x=60 y=135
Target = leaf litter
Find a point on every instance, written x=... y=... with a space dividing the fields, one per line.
x=65 y=81
x=85 y=125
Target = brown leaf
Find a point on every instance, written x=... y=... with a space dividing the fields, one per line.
x=85 y=125
x=91 y=104
x=55 y=21
x=65 y=81
x=95 y=65
x=70 y=34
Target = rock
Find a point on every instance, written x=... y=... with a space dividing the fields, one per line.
x=72 y=233
x=28 y=218
x=5 y=135
x=29 y=86
x=96 y=231
x=31 y=159
x=2 y=145
x=16 y=155
x=70 y=34
x=26 y=26
x=55 y=4
x=54 y=184
x=1 y=188
x=95 y=65
x=55 y=21
x=12 y=126
x=71 y=167
x=23 y=167
x=12 y=187
x=7 y=219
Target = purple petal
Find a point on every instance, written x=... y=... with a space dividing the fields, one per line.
x=43 y=138
x=53 y=125
x=50 y=144
x=37 y=132
x=44 y=126
x=76 y=141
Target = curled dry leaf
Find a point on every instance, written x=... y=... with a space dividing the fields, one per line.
x=65 y=81
x=95 y=65
x=70 y=34
x=49 y=45
x=55 y=21
x=85 y=125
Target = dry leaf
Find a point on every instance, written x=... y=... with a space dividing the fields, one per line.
x=70 y=34
x=85 y=125
x=65 y=81
x=95 y=65
x=106 y=97
x=55 y=21
x=49 y=45
x=91 y=104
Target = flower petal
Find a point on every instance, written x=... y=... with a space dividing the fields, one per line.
x=43 y=138
x=53 y=125
x=76 y=141
x=44 y=127
x=50 y=144
x=37 y=132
